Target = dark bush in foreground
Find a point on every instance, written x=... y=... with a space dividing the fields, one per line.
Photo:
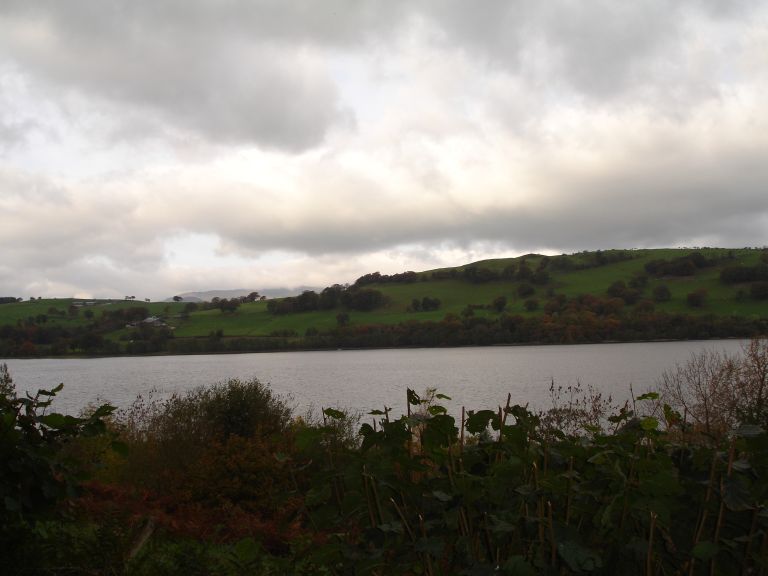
x=498 y=492
x=223 y=481
x=171 y=439
x=38 y=470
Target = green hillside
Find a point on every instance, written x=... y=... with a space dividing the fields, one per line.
x=567 y=291
x=455 y=294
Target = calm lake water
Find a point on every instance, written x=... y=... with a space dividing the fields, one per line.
x=366 y=379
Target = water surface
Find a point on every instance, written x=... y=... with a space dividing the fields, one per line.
x=477 y=377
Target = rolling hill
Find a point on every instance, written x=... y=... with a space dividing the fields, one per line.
x=646 y=293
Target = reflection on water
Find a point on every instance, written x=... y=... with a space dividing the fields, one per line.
x=367 y=379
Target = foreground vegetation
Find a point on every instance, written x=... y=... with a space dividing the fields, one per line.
x=227 y=480
x=598 y=296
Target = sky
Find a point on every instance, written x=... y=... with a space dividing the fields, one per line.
x=151 y=148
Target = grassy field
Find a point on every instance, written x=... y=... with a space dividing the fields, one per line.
x=253 y=319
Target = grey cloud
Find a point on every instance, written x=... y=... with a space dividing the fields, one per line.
x=13 y=133
x=259 y=72
x=601 y=50
x=217 y=77
x=611 y=45
x=665 y=196
x=46 y=225
x=111 y=245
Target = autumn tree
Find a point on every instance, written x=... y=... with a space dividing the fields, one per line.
x=696 y=298
x=662 y=293
x=499 y=303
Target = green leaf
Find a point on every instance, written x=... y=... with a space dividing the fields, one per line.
x=736 y=496
x=393 y=526
x=352 y=502
x=501 y=526
x=306 y=437
x=11 y=504
x=748 y=431
x=649 y=423
x=442 y=496
x=431 y=545
x=435 y=410
x=578 y=558
x=120 y=448
x=317 y=496
x=335 y=414
x=478 y=421
x=517 y=566
x=662 y=482
x=442 y=397
x=51 y=392
x=437 y=430
x=742 y=465
x=600 y=457
x=376 y=413
x=621 y=416
x=247 y=551
x=704 y=550
x=648 y=396
x=671 y=416
x=102 y=411
x=413 y=398
x=281 y=457
x=610 y=511
x=59 y=421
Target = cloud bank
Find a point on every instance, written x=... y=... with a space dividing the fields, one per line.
x=155 y=149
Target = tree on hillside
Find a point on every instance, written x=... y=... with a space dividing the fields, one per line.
x=759 y=290
x=428 y=303
x=541 y=276
x=499 y=303
x=525 y=290
x=662 y=293
x=342 y=319
x=177 y=298
x=228 y=306
x=524 y=271
x=531 y=305
x=696 y=298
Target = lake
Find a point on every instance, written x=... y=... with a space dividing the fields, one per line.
x=477 y=377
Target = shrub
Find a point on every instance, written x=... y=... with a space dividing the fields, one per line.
x=428 y=303
x=531 y=305
x=525 y=290
x=36 y=472
x=661 y=293
x=168 y=436
x=702 y=390
x=718 y=392
x=500 y=492
x=697 y=298
x=759 y=290
x=499 y=303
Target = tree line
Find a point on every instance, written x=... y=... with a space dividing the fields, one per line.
x=336 y=296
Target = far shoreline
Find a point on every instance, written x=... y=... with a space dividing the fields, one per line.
x=351 y=349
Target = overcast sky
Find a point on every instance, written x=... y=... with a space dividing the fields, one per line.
x=155 y=147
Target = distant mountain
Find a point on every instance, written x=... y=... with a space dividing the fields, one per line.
x=208 y=295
